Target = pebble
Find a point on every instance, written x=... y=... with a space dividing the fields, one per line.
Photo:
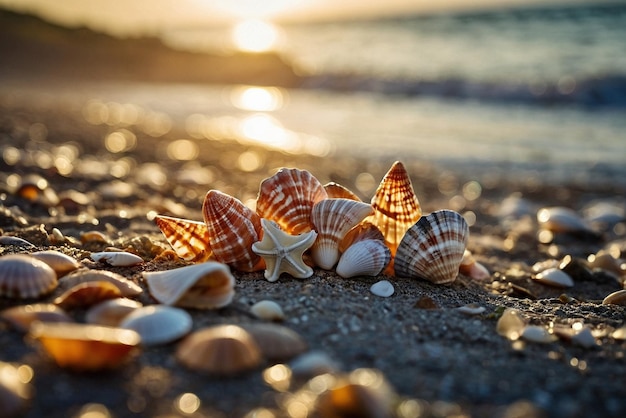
x=537 y=334
x=383 y=288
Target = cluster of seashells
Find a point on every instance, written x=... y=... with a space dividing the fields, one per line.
x=300 y=223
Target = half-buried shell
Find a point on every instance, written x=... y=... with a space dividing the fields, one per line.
x=189 y=239
x=158 y=324
x=24 y=277
x=87 y=294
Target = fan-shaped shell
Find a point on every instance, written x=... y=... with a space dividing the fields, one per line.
x=333 y=218
x=158 y=324
x=224 y=350
x=364 y=258
x=233 y=228
x=337 y=191
x=277 y=342
x=205 y=286
x=433 y=248
x=288 y=197
x=60 y=263
x=87 y=294
x=189 y=239
x=395 y=204
x=22 y=316
x=23 y=277
x=126 y=287
x=363 y=231
x=111 y=312
x=117 y=258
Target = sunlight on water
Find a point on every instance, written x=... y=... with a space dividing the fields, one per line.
x=255 y=36
x=261 y=99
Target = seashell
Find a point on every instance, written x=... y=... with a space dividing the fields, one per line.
x=383 y=288
x=616 y=298
x=85 y=347
x=433 y=248
x=276 y=342
x=313 y=363
x=333 y=218
x=561 y=219
x=584 y=338
x=619 y=333
x=224 y=350
x=87 y=294
x=472 y=268
x=363 y=231
x=93 y=236
x=111 y=312
x=511 y=324
x=117 y=258
x=15 y=389
x=396 y=208
x=605 y=261
x=21 y=317
x=233 y=228
x=16 y=241
x=60 y=263
x=189 y=239
x=538 y=334
x=158 y=324
x=288 y=198
x=337 y=191
x=554 y=277
x=268 y=310
x=364 y=258
x=471 y=309
x=23 y=277
x=126 y=287
x=205 y=285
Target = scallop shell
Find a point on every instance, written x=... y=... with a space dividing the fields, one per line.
x=288 y=197
x=23 y=277
x=189 y=239
x=158 y=324
x=224 y=350
x=21 y=317
x=396 y=207
x=333 y=218
x=61 y=263
x=111 y=312
x=364 y=258
x=87 y=294
x=233 y=228
x=85 y=347
x=206 y=285
x=276 y=342
x=337 y=191
x=117 y=258
x=126 y=287
x=433 y=248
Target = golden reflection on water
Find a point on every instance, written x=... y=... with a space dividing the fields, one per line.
x=255 y=36
x=260 y=99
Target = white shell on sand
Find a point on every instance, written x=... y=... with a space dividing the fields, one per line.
x=511 y=324
x=158 y=324
x=538 y=334
x=313 y=363
x=364 y=258
x=471 y=309
x=561 y=219
x=117 y=258
x=554 y=277
x=584 y=338
x=268 y=310
x=383 y=288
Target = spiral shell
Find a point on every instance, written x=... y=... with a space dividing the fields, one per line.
x=333 y=218
x=23 y=277
x=288 y=197
x=364 y=258
x=189 y=239
x=433 y=248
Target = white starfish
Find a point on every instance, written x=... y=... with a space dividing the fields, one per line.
x=283 y=252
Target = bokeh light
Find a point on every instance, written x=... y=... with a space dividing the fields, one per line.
x=257 y=98
x=182 y=150
x=255 y=36
x=187 y=403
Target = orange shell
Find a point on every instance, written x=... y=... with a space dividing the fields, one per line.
x=363 y=231
x=87 y=294
x=189 y=239
x=336 y=190
x=288 y=197
x=233 y=228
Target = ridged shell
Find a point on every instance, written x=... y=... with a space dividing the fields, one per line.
x=337 y=191
x=85 y=347
x=233 y=228
x=111 y=312
x=395 y=204
x=333 y=218
x=363 y=231
x=364 y=258
x=277 y=342
x=126 y=287
x=60 y=263
x=189 y=239
x=224 y=350
x=117 y=258
x=158 y=324
x=21 y=317
x=206 y=285
x=288 y=197
x=433 y=248
x=87 y=294
x=24 y=277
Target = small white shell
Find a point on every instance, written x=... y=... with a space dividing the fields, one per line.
x=383 y=288
x=554 y=277
x=471 y=309
x=561 y=219
x=619 y=333
x=158 y=324
x=268 y=310
x=313 y=363
x=584 y=338
x=364 y=258
x=206 y=285
x=117 y=258
x=538 y=334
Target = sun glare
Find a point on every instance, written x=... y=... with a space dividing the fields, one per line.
x=255 y=36
x=260 y=99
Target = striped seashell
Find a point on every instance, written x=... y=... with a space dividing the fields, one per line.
x=288 y=197
x=207 y=285
x=24 y=277
x=395 y=204
x=363 y=231
x=337 y=191
x=189 y=239
x=87 y=294
x=158 y=324
x=126 y=287
x=364 y=258
x=117 y=258
x=233 y=228
x=433 y=248
x=60 y=263
x=333 y=218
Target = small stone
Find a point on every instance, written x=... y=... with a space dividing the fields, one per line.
x=537 y=334
x=383 y=288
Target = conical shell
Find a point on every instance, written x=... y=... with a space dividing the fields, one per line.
x=337 y=191
x=364 y=258
x=189 y=239
x=60 y=263
x=333 y=218
x=126 y=287
x=233 y=228
x=158 y=324
x=288 y=197
x=206 y=285
x=433 y=248
x=24 y=277
x=395 y=204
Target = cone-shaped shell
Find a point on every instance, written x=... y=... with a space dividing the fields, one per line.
x=158 y=324
x=24 y=277
x=395 y=204
x=189 y=239
x=288 y=197
x=333 y=218
x=233 y=228
x=364 y=258
x=433 y=248
x=126 y=287
x=337 y=191
x=205 y=285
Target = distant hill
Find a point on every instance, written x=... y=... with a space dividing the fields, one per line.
x=32 y=47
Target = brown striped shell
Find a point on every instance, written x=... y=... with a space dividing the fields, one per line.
x=364 y=230
x=24 y=277
x=336 y=191
x=288 y=197
x=233 y=228
x=189 y=239
x=364 y=258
